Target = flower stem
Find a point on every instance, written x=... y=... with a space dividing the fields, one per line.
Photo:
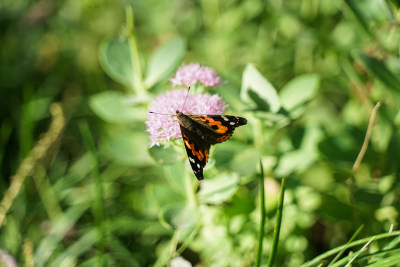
x=277 y=229
x=174 y=244
x=38 y=152
x=189 y=239
x=137 y=75
x=262 y=218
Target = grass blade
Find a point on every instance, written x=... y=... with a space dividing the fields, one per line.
x=358 y=12
x=98 y=208
x=393 y=260
x=379 y=258
x=331 y=252
x=262 y=218
x=49 y=244
x=381 y=71
x=277 y=226
x=360 y=251
x=346 y=245
x=81 y=246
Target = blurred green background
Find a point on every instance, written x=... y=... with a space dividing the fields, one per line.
x=100 y=197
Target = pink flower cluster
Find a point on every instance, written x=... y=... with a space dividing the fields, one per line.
x=193 y=73
x=164 y=127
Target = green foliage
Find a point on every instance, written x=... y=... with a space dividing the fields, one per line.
x=306 y=75
x=115 y=107
x=219 y=189
x=258 y=90
x=116 y=60
x=164 y=61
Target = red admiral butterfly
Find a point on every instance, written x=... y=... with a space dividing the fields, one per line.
x=199 y=132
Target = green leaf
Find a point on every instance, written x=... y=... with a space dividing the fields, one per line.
x=165 y=61
x=121 y=253
x=257 y=90
x=116 y=60
x=165 y=154
x=179 y=216
x=164 y=194
x=299 y=91
x=116 y=107
x=79 y=247
x=276 y=120
x=301 y=159
x=38 y=108
x=298 y=160
x=49 y=244
x=356 y=7
x=128 y=148
x=379 y=69
x=218 y=190
x=245 y=162
x=127 y=225
x=175 y=175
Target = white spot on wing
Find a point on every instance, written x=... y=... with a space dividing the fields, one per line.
x=225 y=118
x=232 y=123
x=191 y=160
x=198 y=165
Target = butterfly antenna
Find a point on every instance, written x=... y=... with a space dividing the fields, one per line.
x=186 y=98
x=161 y=113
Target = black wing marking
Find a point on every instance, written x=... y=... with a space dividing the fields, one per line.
x=197 y=150
x=229 y=121
x=217 y=128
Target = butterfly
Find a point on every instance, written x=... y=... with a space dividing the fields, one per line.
x=199 y=132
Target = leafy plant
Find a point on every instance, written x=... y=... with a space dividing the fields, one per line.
x=81 y=186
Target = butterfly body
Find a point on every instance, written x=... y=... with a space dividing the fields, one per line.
x=199 y=132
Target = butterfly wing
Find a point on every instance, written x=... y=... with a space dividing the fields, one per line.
x=197 y=150
x=199 y=132
x=220 y=126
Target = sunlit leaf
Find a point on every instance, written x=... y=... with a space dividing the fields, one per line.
x=115 y=58
x=293 y=161
x=245 y=162
x=179 y=216
x=165 y=195
x=175 y=176
x=258 y=91
x=277 y=120
x=219 y=189
x=128 y=148
x=116 y=107
x=165 y=154
x=301 y=159
x=299 y=91
x=165 y=61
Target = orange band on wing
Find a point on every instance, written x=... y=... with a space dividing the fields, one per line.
x=199 y=154
x=210 y=121
x=206 y=154
x=224 y=138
